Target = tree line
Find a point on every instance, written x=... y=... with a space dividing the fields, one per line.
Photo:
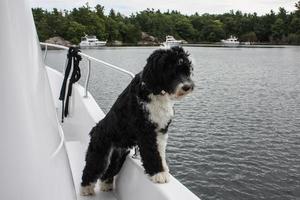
x=279 y=27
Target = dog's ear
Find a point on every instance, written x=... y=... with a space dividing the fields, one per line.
x=153 y=71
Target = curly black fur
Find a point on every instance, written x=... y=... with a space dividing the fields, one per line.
x=128 y=123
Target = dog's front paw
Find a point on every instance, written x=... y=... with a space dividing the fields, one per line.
x=105 y=187
x=161 y=177
x=87 y=190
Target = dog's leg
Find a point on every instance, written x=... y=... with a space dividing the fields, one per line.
x=88 y=189
x=152 y=151
x=117 y=159
x=97 y=160
x=161 y=140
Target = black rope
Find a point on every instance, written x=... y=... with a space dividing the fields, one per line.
x=73 y=58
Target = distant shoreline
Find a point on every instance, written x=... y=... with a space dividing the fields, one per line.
x=238 y=46
x=216 y=45
x=257 y=45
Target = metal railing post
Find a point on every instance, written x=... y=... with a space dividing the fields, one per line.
x=45 y=55
x=65 y=66
x=87 y=79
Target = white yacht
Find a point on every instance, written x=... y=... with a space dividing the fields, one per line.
x=91 y=41
x=231 y=41
x=41 y=157
x=171 y=42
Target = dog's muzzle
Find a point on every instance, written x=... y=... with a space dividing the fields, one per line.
x=185 y=88
x=188 y=86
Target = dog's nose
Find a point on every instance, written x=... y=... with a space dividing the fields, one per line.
x=187 y=87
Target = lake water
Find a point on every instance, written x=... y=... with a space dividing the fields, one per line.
x=237 y=136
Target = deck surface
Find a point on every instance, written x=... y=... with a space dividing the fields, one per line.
x=76 y=153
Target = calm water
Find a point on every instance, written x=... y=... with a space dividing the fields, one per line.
x=238 y=135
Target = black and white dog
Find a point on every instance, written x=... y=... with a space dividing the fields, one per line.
x=140 y=116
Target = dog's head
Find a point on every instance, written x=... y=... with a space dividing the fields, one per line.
x=168 y=71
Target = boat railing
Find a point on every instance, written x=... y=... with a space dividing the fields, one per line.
x=89 y=59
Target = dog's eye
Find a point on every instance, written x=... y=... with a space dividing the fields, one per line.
x=180 y=61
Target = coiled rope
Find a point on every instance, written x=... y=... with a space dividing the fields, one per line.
x=73 y=58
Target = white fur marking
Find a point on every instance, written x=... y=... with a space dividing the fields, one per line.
x=161 y=177
x=161 y=140
x=161 y=112
x=87 y=190
x=108 y=159
x=105 y=187
x=160 y=109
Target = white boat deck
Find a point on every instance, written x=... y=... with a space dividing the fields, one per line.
x=76 y=128
x=76 y=154
x=76 y=134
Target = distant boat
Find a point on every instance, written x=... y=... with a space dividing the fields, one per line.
x=91 y=41
x=247 y=43
x=232 y=41
x=171 y=42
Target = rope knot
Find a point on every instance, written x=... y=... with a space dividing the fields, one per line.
x=73 y=53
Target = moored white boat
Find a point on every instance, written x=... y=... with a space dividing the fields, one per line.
x=91 y=41
x=171 y=42
x=231 y=41
x=42 y=158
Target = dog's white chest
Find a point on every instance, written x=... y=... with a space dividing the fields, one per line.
x=160 y=109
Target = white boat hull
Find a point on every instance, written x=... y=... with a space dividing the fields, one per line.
x=230 y=43
x=92 y=44
x=172 y=44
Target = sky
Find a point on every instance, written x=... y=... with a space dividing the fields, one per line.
x=188 y=7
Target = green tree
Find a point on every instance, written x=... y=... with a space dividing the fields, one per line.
x=248 y=37
x=230 y=25
x=278 y=29
x=112 y=30
x=75 y=31
x=184 y=29
x=295 y=25
x=100 y=11
x=213 y=31
x=297 y=5
x=129 y=33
